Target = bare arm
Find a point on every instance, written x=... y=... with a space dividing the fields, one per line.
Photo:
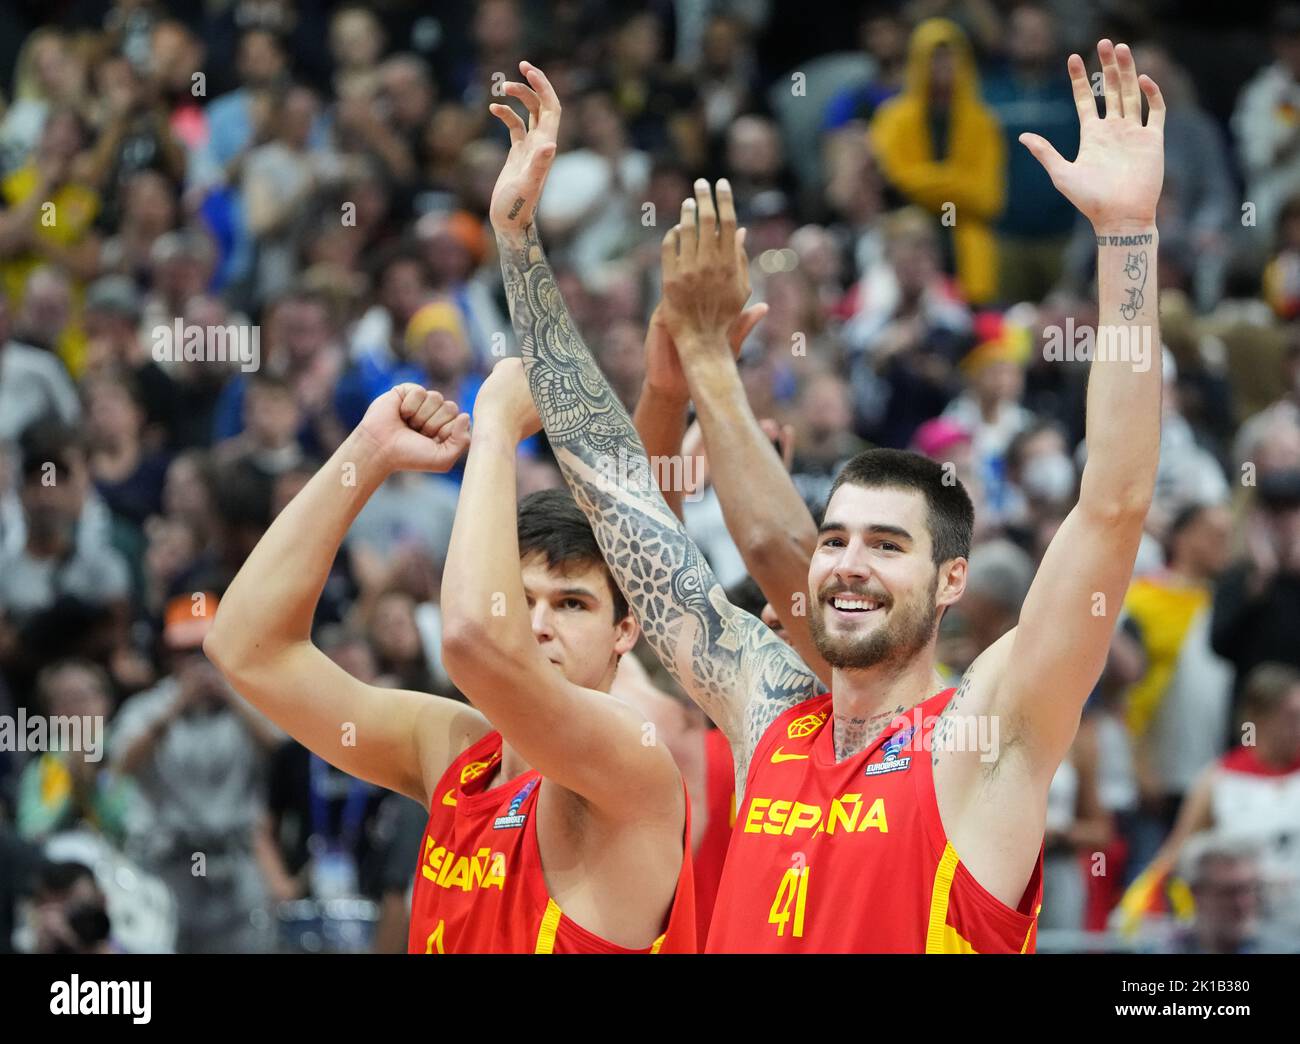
x=733 y=666
x=765 y=515
x=261 y=639
x=1065 y=628
x=586 y=741
x=660 y=415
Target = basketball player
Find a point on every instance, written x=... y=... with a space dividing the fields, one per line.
x=885 y=816
x=509 y=862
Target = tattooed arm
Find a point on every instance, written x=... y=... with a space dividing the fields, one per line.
x=1052 y=659
x=733 y=666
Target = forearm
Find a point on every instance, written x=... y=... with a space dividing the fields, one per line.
x=763 y=510
x=676 y=598
x=660 y=422
x=484 y=616
x=765 y=515
x=272 y=599
x=1126 y=376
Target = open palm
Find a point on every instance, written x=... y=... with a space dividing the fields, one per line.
x=1115 y=180
x=532 y=148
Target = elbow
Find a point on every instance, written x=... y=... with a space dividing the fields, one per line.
x=217 y=650
x=469 y=650
x=222 y=648
x=768 y=548
x=1116 y=505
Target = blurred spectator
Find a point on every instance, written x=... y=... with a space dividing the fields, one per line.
x=1178 y=711
x=127 y=474
x=1257 y=600
x=115 y=350
x=134 y=134
x=1250 y=793
x=1029 y=94
x=658 y=106
x=69 y=911
x=941 y=148
x=280 y=180
x=907 y=332
x=61 y=789
x=19 y=862
x=1266 y=125
x=884 y=39
x=48 y=221
x=197 y=753
x=593 y=188
x=33 y=384
x=64 y=589
x=301 y=346
x=1198 y=204
x=49 y=75
x=989 y=408
x=320 y=819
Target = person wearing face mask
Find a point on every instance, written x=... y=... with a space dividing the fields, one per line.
x=1039 y=476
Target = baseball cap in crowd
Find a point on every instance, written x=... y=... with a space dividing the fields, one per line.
x=188 y=619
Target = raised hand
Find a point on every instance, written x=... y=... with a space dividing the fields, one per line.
x=416 y=429
x=663 y=368
x=1115 y=180
x=705 y=272
x=505 y=399
x=532 y=149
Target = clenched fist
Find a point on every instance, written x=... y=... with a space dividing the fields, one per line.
x=416 y=429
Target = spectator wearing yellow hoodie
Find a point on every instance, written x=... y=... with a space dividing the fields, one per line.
x=941 y=148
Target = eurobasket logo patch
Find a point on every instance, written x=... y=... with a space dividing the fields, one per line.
x=806 y=725
x=512 y=818
x=891 y=762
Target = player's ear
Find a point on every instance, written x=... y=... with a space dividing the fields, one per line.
x=952 y=581
x=629 y=633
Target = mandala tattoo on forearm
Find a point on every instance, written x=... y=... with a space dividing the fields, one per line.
x=722 y=656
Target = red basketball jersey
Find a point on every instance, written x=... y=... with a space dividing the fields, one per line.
x=852 y=857
x=479 y=887
x=720 y=788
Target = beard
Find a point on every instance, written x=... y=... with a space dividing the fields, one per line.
x=907 y=631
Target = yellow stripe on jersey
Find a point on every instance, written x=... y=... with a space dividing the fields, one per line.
x=654 y=947
x=546 y=934
x=936 y=937
x=954 y=943
x=1024 y=947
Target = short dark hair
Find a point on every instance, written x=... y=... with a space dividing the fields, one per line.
x=951 y=515
x=551 y=524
